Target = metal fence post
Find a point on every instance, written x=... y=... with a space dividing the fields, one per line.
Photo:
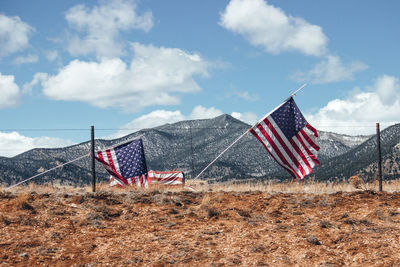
x=93 y=162
x=378 y=144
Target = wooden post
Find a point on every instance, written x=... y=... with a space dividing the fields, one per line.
x=378 y=144
x=93 y=162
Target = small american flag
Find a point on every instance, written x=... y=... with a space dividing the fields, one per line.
x=163 y=178
x=126 y=163
x=289 y=138
x=166 y=177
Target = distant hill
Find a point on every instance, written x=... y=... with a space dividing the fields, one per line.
x=363 y=158
x=190 y=145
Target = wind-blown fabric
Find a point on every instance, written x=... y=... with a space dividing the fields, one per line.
x=126 y=163
x=166 y=177
x=289 y=138
x=163 y=178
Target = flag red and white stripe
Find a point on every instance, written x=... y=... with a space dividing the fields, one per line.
x=169 y=178
x=289 y=138
x=139 y=181
x=166 y=177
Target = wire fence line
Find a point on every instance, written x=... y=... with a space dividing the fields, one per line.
x=137 y=129
x=132 y=129
x=190 y=143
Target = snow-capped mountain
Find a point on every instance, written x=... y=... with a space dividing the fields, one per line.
x=190 y=145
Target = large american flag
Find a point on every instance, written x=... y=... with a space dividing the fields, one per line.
x=289 y=138
x=126 y=163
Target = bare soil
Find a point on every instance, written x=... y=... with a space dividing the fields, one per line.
x=159 y=228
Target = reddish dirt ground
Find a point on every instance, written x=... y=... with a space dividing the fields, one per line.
x=159 y=228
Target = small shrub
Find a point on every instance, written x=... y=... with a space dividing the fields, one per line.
x=358 y=182
x=313 y=240
x=28 y=221
x=27 y=206
x=22 y=201
x=350 y=221
x=212 y=212
x=103 y=213
x=173 y=211
x=206 y=200
x=160 y=199
x=5 y=220
x=325 y=224
x=258 y=249
x=244 y=213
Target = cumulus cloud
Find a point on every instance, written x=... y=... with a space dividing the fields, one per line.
x=155 y=76
x=13 y=143
x=330 y=70
x=358 y=113
x=9 y=91
x=37 y=78
x=161 y=117
x=154 y=119
x=388 y=89
x=14 y=35
x=200 y=112
x=248 y=117
x=98 y=29
x=268 y=26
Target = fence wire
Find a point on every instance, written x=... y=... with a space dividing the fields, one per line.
x=190 y=149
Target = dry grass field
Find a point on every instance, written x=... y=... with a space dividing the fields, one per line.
x=287 y=224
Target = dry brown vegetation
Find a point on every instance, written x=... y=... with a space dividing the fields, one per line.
x=313 y=224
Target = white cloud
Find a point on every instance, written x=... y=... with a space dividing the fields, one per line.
x=200 y=112
x=246 y=95
x=26 y=59
x=12 y=144
x=154 y=119
x=388 y=89
x=37 y=78
x=9 y=91
x=52 y=55
x=247 y=117
x=100 y=27
x=161 y=117
x=330 y=70
x=358 y=113
x=156 y=76
x=268 y=26
x=14 y=35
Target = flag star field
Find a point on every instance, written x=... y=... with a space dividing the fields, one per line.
x=131 y=159
x=289 y=119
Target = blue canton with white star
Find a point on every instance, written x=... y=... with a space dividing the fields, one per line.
x=131 y=159
x=289 y=119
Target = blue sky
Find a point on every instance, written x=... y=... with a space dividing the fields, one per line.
x=125 y=65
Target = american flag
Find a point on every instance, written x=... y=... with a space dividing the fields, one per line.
x=163 y=178
x=166 y=177
x=126 y=163
x=289 y=138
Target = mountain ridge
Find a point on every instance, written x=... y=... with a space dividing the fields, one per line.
x=191 y=145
